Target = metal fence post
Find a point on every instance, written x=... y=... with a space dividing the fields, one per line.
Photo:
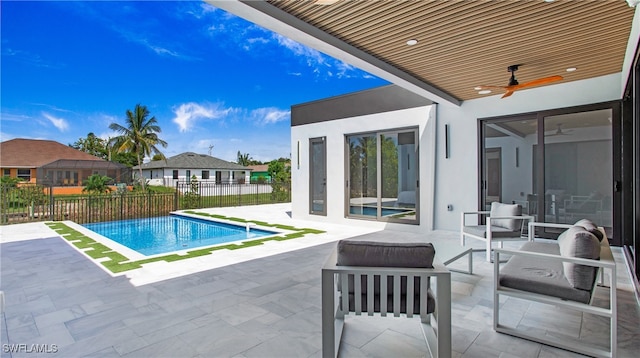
x=52 y=212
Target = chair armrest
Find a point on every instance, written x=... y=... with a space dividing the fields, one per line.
x=476 y=212
x=464 y=214
x=521 y=217
x=533 y=225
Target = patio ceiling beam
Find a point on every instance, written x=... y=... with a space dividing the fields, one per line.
x=274 y=19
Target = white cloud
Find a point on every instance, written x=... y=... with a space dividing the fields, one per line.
x=270 y=115
x=59 y=123
x=188 y=113
x=314 y=57
x=14 y=117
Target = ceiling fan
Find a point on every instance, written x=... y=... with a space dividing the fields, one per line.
x=514 y=85
x=558 y=131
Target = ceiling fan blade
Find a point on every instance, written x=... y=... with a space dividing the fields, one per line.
x=539 y=81
x=508 y=93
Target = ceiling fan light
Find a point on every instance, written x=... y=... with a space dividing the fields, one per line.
x=412 y=42
x=486 y=91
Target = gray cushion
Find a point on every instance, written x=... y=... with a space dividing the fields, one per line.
x=578 y=242
x=496 y=232
x=591 y=227
x=500 y=209
x=385 y=254
x=542 y=276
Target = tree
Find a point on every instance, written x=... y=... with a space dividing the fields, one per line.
x=157 y=157
x=140 y=136
x=102 y=148
x=93 y=145
x=97 y=184
x=280 y=177
x=244 y=159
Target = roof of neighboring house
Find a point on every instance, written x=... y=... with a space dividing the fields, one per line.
x=190 y=160
x=259 y=168
x=33 y=153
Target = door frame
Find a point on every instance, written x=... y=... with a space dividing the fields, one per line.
x=539 y=179
x=312 y=178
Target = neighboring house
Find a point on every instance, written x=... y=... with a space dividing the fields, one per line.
x=259 y=173
x=182 y=167
x=51 y=163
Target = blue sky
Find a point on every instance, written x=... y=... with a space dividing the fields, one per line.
x=209 y=77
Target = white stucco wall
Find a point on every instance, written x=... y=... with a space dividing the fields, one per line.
x=422 y=117
x=443 y=181
x=457 y=177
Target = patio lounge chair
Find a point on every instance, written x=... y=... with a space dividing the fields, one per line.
x=562 y=273
x=505 y=222
x=364 y=277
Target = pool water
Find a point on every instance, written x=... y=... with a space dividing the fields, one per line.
x=165 y=234
x=373 y=211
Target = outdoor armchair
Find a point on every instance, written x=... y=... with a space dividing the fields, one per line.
x=504 y=222
x=394 y=279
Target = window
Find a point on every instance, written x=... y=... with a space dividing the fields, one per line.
x=24 y=174
x=317 y=176
x=205 y=174
x=188 y=175
x=382 y=178
x=175 y=174
x=7 y=172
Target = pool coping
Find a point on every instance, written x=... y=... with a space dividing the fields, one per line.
x=109 y=254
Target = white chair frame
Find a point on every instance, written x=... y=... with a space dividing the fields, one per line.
x=489 y=240
x=606 y=262
x=436 y=327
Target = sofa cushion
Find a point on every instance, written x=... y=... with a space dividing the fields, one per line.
x=542 y=276
x=591 y=227
x=578 y=242
x=500 y=209
x=385 y=254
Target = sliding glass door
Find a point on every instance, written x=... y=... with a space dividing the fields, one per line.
x=578 y=175
x=558 y=165
x=363 y=175
x=382 y=178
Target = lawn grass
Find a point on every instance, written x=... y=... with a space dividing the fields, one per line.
x=116 y=262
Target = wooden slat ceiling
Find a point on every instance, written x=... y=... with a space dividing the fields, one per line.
x=463 y=44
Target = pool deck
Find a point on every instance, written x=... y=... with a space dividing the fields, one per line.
x=261 y=301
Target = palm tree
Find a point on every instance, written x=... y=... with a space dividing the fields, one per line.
x=97 y=184
x=140 y=136
x=244 y=159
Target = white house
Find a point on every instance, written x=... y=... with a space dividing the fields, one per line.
x=414 y=155
x=182 y=167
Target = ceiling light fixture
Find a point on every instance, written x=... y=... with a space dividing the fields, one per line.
x=412 y=42
x=571 y=69
x=477 y=88
x=484 y=91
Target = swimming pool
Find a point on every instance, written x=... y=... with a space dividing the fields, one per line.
x=165 y=234
x=373 y=211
